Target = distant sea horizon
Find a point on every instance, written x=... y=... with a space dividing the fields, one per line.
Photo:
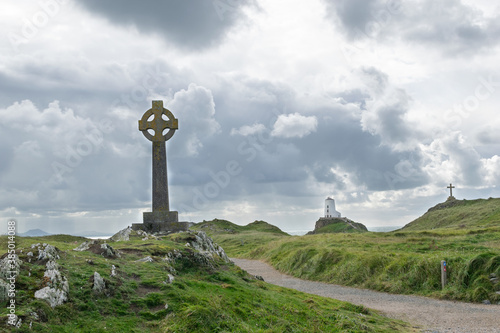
x=99 y=237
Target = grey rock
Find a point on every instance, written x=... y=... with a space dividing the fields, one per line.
x=53 y=296
x=109 y=251
x=99 y=284
x=258 y=277
x=56 y=293
x=113 y=270
x=122 y=235
x=84 y=246
x=9 y=265
x=206 y=245
x=146 y=259
x=4 y=291
x=171 y=257
x=486 y=302
x=35 y=315
x=47 y=251
x=170 y=279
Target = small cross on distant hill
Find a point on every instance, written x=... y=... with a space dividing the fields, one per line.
x=451 y=187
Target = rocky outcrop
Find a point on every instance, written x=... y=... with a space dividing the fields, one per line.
x=84 y=246
x=57 y=287
x=9 y=266
x=344 y=225
x=46 y=251
x=53 y=287
x=97 y=247
x=205 y=245
x=122 y=235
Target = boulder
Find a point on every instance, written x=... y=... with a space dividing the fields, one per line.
x=122 y=235
x=11 y=263
x=205 y=245
x=53 y=296
x=170 y=279
x=108 y=251
x=46 y=251
x=99 y=284
x=84 y=246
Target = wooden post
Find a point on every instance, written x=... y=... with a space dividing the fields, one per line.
x=443 y=273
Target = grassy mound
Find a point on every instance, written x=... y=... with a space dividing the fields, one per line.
x=337 y=225
x=206 y=295
x=459 y=214
x=217 y=226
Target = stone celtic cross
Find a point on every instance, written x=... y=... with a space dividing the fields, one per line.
x=154 y=120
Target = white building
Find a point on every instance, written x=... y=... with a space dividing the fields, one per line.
x=330 y=208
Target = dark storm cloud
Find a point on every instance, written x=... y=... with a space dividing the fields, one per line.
x=386 y=111
x=452 y=26
x=353 y=15
x=91 y=91
x=341 y=142
x=247 y=112
x=194 y=24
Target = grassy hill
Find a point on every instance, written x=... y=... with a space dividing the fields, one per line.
x=163 y=285
x=337 y=225
x=238 y=238
x=459 y=214
x=217 y=226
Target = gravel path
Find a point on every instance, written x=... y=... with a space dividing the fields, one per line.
x=430 y=314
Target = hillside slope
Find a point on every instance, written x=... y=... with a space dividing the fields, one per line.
x=176 y=283
x=459 y=214
x=226 y=227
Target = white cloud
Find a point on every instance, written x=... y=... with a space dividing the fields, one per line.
x=248 y=130
x=451 y=158
x=195 y=109
x=491 y=169
x=294 y=126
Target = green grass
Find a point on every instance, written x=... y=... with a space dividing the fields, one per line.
x=338 y=227
x=219 y=297
x=240 y=238
x=459 y=214
x=406 y=261
x=218 y=226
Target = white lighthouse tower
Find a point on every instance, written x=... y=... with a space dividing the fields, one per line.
x=330 y=208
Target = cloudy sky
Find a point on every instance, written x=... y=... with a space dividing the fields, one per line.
x=379 y=104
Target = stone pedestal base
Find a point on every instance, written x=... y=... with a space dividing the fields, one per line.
x=162 y=227
x=161 y=222
x=160 y=216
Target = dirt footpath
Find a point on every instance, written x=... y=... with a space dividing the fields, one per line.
x=430 y=314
